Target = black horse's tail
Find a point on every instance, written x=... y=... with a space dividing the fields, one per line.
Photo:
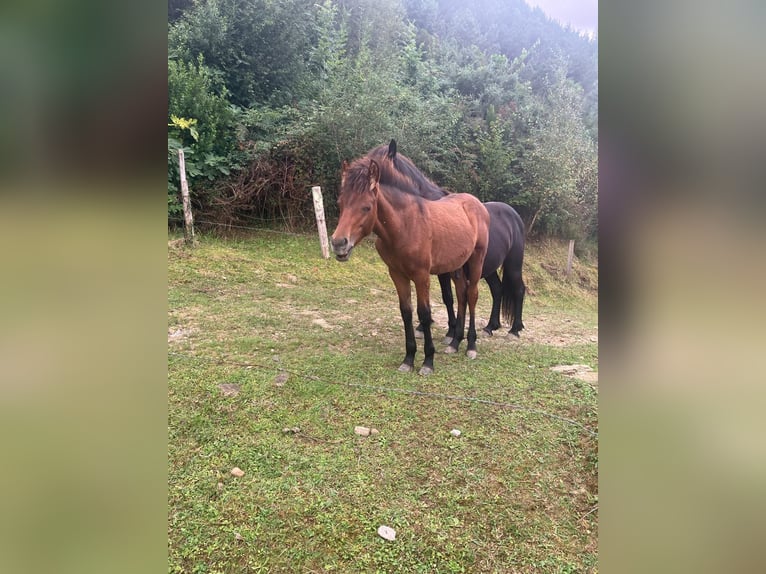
x=506 y=294
x=512 y=291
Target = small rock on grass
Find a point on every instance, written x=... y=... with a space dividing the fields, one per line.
x=386 y=532
x=291 y=430
x=365 y=431
x=281 y=379
x=571 y=369
x=229 y=389
x=455 y=432
x=238 y=472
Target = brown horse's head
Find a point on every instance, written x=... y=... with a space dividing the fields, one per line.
x=358 y=203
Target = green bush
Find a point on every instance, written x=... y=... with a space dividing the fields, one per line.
x=489 y=99
x=201 y=120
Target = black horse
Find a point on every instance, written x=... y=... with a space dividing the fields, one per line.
x=506 y=244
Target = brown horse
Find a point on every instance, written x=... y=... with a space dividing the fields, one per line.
x=416 y=238
x=506 y=242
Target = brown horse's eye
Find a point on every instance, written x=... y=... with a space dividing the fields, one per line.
x=366 y=209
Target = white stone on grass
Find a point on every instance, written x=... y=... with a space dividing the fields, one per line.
x=387 y=532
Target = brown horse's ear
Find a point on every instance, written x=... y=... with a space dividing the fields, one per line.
x=344 y=166
x=374 y=175
x=392 y=149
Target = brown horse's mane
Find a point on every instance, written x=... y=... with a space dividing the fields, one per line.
x=357 y=180
x=357 y=174
x=397 y=172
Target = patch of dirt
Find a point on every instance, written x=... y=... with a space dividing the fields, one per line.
x=317 y=319
x=557 y=331
x=544 y=329
x=184 y=323
x=179 y=334
x=229 y=389
x=439 y=314
x=582 y=372
x=322 y=323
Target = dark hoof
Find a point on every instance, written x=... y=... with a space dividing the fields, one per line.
x=487 y=330
x=514 y=333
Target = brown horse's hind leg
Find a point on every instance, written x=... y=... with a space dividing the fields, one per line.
x=473 y=297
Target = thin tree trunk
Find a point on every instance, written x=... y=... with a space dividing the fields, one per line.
x=534 y=219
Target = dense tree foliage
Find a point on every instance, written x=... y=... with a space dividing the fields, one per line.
x=486 y=96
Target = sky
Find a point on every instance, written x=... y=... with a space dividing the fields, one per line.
x=580 y=14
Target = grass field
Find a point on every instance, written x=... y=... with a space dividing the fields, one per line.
x=309 y=349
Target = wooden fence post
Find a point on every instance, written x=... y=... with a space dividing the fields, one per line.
x=570 y=257
x=316 y=191
x=188 y=219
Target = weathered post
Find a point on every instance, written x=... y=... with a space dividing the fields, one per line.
x=570 y=257
x=316 y=191
x=188 y=219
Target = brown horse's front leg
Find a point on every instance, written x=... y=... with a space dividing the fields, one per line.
x=423 y=292
x=404 y=291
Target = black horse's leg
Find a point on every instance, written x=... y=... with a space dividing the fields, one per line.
x=461 y=291
x=519 y=289
x=404 y=291
x=495 y=288
x=446 y=286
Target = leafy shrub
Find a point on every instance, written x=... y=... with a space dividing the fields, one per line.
x=202 y=121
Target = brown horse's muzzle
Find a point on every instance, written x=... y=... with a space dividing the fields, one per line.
x=342 y=248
